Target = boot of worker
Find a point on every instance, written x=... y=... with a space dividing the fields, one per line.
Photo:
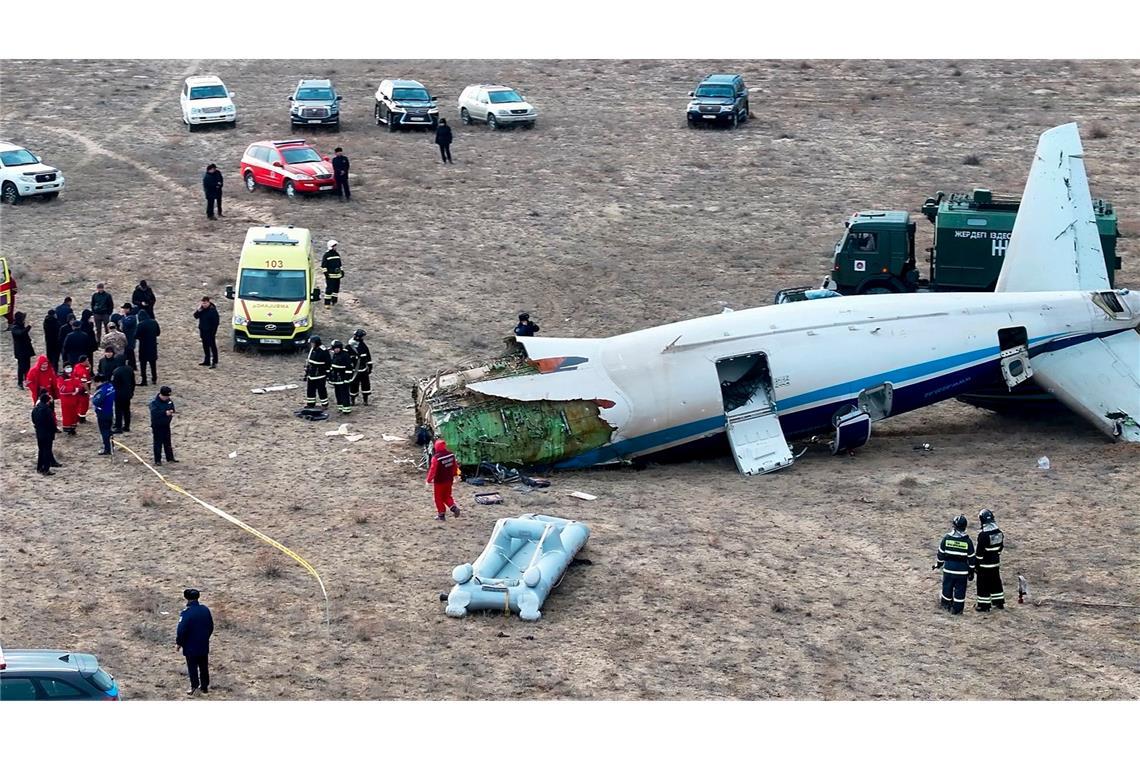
x=440 y=516
x=455 y=510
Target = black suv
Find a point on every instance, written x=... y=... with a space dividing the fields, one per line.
x=719 y=99
x=315 y=104
x=48 y=674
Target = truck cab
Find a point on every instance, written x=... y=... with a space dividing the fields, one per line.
x=875 y=255
x=274 y=295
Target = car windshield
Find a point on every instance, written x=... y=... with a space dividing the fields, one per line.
x=410 y=93
x=273 y=284
x=19 y=157
x=314 y=93
x=715 y=91
x=505 y=96
x=210 y=91
x=300 y=155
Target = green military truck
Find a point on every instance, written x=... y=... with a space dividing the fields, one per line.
x=971 y=234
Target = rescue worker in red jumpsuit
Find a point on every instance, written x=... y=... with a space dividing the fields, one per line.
x=82 y=372
x=70 y=389
x=441 y=475
x=42 y=377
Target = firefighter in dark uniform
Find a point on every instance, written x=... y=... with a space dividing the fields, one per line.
x=331 y=268
x=989 y=545
x=956 y=558
x=340 y=174
x=362 y=383
x=341 y=374
x=316 y=371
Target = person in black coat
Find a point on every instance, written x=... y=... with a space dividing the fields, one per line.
x=208 y=320
x=64 y=311
x=75 y=343
x=87 y=324
x=51 y=338
x=144 y=298
x=161 y=413
x=340 y=174
x=123 y=378
x=147 y=336
x=443 y=140
x=43 y=419
x=102 y=306
x=22 y=346
x=212 y=183
x=195 y=626
x=129 y=324
x=108 y=363
x=525 y=328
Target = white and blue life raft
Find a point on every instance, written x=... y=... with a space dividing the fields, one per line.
x=523 y=561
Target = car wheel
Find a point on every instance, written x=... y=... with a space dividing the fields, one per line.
x=10 y=194
x=491 y=122
x=376 y=115
x=881 y=286
x=464 y=116
x=528 y=125
x=336 y=127
x=250 y=183
x=49 y=196
x=293 y=128
x=747 y=112
x=189 y=127
x=233 y=124
x=290 y=191
x=239 y=348
x=391 y=122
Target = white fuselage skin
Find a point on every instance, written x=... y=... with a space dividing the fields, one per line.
x=665 y=388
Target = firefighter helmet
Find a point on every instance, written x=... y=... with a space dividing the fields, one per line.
x=337 y=344
x=315 y=340
x=359 y=333
x=960 y=522
x=986 y=516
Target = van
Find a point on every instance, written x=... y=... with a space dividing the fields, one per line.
x=274 y=295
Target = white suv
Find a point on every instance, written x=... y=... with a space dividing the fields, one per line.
x=497 y=105
x=22 y=174
x=205 y=100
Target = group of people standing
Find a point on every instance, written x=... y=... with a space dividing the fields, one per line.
x=346 y=367
x=960 y=559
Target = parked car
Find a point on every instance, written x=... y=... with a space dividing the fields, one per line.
x=496 y=105
x=405 y=103
x=49 y=674
x=23 y=174
x=315 y=104
x=719 y=99
x=206 y=100
x=290 y=165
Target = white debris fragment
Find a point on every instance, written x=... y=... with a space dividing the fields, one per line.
x=1043 y=463
x=354 y=438
x=342 y=430
x=393 y=437
x=272 y=388
x=583 y=495
x=233 y=455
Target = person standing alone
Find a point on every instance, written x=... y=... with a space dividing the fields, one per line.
x=333 y=271
x=161 y=413
x=22 y=346
x=441 y=475
x=443 y=140
x=208 y=319
x=195 y=626
x=212 y=183
x=340 y=174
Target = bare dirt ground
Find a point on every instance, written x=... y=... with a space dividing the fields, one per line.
x=813 y=583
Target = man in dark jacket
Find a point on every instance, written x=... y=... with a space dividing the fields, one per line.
x=956 y=560
x=340 y=174
x=102 y=305
x=362 y=382
x=76 y=343
x=161 y=413
x=43 y=419
x=333 y=270
x=316 y=373
x=87 y=324
x=144 y=298
x=212 y=184
x=342 y=371
x=51 y=338
x=22 y=346
x=129 y=324
x=123 y=378
x=525 y=328
x=443 y=140
x=64 y=311
x=147 y=336
x=195 y=626
x=108 y=363
x=208 y=319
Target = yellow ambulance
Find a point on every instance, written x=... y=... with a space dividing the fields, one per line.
x=274 y=295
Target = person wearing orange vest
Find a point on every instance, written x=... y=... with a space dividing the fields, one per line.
x=441 y=475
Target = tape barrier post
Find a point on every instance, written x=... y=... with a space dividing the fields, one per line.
x=226 y=516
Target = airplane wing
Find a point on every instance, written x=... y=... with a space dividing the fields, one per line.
x=1099 y=380
x=1055 y=244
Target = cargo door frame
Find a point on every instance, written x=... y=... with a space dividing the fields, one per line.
x=751 y=419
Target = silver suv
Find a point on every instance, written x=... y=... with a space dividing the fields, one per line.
x=315 y=103
x=496 y=105
x=405 y=103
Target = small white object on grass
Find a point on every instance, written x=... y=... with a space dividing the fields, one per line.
x=583 y=496
x=354 y=438
x=393 y=437
x=233 y=455
x=1043 y=463
x=342 y=430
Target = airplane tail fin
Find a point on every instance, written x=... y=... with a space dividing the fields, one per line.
x=1055 y=244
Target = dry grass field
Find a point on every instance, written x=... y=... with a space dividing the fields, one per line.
x=611 y=215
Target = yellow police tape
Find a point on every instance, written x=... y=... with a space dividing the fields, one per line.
x=226 y=516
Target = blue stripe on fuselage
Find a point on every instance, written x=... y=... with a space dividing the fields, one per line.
x=799 y=422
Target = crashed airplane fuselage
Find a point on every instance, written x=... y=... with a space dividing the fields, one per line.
x=832 y=367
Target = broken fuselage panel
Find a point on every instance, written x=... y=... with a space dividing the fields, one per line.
x=484 y=428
